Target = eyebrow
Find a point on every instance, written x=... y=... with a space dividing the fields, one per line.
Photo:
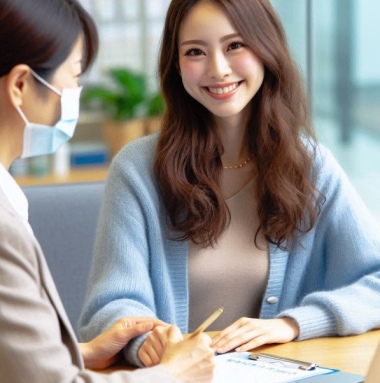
x=201 y=42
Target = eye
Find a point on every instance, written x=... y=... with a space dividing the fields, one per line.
x=194 y=52
x=236 y=45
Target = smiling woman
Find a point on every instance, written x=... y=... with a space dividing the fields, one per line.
x=234 y=198
x=47 y=44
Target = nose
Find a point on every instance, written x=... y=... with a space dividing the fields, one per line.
x=219 y=66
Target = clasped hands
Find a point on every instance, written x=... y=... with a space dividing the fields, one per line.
x=104 y=350
x=243 y=335
x=186 y=361
x=163 y=343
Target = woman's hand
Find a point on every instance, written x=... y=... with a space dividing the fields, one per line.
x=152 y=349
x=189 y=360
x=248 y=333
x=104 y=350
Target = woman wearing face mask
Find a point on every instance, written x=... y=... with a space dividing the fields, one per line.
x=44 y=47
x=234 y=204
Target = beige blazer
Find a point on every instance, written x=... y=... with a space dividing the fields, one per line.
x=37 y=342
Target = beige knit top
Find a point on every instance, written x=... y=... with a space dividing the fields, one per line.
x=234 y=273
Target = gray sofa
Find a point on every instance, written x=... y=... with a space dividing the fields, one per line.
x=64 y=219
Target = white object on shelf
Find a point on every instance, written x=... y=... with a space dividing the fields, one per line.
x=61 y=160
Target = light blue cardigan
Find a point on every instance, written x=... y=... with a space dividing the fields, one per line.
x=330 y=284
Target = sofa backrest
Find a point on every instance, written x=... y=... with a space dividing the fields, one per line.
x=64 y=219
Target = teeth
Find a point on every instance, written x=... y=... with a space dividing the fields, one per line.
x=224 y=90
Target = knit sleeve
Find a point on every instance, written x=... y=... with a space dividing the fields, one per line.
x=119 y=282
x=340 y=258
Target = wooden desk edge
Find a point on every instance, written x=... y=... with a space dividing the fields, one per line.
x=349 y=354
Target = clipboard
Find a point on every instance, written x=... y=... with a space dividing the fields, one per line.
x=307 y=366
x=335 y=376
x=248 y=367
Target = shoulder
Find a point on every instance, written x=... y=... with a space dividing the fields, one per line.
x=320 y=154
x=326 y=171
x=10 y=223
x=324 y=160
x=136 y=158
x=131 y=171
x=341 y=201
x=138 y=152
x=17 y=243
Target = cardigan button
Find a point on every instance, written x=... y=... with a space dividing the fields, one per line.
x=272 y=300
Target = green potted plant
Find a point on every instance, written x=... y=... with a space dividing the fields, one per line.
x=122 y=100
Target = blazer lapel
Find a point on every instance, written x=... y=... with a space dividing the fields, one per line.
x=51 y=290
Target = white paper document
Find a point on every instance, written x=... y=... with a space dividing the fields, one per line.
x=238 y=368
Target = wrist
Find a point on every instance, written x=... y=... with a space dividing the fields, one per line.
x=293 y=325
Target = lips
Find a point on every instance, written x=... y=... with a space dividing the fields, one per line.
x=223 y=90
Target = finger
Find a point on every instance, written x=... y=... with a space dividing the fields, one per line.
x=145 y=358
x=256 y=342
x=223 y=333
x=205 y=338
x=148 y=355
x=155 y=321
x=159 y=337
x=143 y=327
x=132 y=321
x=238 y=340
x=174 y=334
x=233 y=327
x=131 y=332
x=201 y=340
x=233 y=334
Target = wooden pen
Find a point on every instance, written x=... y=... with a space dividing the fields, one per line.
x=211 y=319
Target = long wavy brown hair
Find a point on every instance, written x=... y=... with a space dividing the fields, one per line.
x=279 y=136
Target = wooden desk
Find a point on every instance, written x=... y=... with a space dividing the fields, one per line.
x=349 y=354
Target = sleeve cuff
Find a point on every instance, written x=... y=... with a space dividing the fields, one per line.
x=132 y=349
x=313 y=321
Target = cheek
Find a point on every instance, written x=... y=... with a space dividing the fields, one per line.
x=250 y=65
x=54 y=111
x=191 y=73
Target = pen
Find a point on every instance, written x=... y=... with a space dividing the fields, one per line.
x=212 y=318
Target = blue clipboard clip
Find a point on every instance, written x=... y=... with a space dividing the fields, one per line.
x=306 y=366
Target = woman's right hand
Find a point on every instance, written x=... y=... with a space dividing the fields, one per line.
x=189 y=360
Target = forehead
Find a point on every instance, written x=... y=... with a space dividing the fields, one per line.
x=74 y=59
x=205 y=19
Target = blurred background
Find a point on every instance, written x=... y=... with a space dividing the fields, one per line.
x=336 y=45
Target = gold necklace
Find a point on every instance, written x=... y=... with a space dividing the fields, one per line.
x=238 y=166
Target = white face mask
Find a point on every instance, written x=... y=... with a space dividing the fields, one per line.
x=44 y=139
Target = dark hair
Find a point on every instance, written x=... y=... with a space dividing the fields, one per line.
x=279 y=137
x=42 y=33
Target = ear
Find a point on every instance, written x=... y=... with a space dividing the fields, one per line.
x=18 y=83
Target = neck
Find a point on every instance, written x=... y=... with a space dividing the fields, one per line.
x=234 y=143
x=10 y=148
